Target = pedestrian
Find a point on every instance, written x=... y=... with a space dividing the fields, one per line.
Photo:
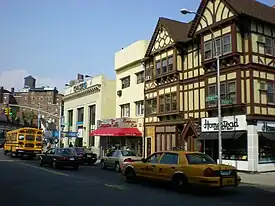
x=70 y=145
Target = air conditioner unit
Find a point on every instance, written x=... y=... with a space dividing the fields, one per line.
x=261 y=39
x=119 y=93
x=148 y=78
x=263 y=86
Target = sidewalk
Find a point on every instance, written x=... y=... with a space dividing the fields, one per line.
x=265 y=179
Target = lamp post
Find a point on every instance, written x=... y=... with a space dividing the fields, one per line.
x=217 y=56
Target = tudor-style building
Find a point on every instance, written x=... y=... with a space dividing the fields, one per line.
x=183 y=99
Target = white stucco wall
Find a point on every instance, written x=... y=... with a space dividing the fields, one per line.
x=102 y=100
x=128 y=63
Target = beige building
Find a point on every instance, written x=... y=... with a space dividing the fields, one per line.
x=87 y=100
x=130 y=81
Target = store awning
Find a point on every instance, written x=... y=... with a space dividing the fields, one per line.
x=116 y=132
x=268 y=135
x=225 y=135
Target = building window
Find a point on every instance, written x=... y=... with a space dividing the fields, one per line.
x=164 y=65
x=224 y=46
x=158 y=67
x=168 y=102
x=161 y=104
x=174 y=101
x=140 y=77
x=80 y=114
x=125 y=110
x=219 y=47
x=270 y=92
x=269 y=46
x=139 y=108
x=70 y=118
x=207 y=50
x=228 y=94
x=231 y=91
x=170 y=63
x=92 y=117
x=125 y=82
x=227 y=46
x=212 y=93
x=151 y=106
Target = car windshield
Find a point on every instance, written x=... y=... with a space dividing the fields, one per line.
x=199 y=158
x=65 y=152
x=128 y=153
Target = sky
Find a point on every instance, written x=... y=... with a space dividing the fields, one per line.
x=53 y=40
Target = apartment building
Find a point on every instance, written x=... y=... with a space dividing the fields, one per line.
x=181 y=83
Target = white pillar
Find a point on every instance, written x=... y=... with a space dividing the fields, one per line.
x=252 y=148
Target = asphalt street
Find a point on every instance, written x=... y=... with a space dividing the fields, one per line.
x=24 y=182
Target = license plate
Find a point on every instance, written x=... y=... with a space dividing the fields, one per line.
x=71 y=158
x=227 y=182
x=225 y=173
x=89 y=155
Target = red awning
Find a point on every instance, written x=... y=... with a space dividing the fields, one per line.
x=111 y=131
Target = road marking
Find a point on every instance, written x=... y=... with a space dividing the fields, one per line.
x=7 y=160
x=115 y=186
x=46 y=170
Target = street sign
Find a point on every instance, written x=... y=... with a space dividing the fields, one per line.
x=226 y=101
x=211 y=98
x=70 y=134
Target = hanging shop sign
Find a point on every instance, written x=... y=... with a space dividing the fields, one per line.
x=266 y=126
x=229 y=123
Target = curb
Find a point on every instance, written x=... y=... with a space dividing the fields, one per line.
x=257 y=184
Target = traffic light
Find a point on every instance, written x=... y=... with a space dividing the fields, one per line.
x=7 y=111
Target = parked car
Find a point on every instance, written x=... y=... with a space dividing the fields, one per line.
x=86 y=156
x=183 y=170
x=117 y=158
x=60 y=157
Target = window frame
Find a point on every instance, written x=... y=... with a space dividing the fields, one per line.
x=270 y=84
x=149 y=106
x=169 y=153
x=140 y=77
x=139 y=108
x=122 y=108
x=125 y=82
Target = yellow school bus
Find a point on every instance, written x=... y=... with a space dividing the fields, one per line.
x=23 y=141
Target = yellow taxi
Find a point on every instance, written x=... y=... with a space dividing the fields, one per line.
x=183 y=169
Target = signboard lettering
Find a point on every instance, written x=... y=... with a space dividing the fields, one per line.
x=229 y=123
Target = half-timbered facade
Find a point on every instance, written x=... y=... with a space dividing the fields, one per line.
x=244 y=35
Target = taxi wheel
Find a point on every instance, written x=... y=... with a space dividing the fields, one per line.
x=181 y=183
x=130 y=175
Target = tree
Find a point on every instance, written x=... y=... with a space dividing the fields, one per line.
x=28 y=117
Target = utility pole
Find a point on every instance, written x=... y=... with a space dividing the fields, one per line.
x=60 y=125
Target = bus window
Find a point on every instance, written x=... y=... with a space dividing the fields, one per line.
x=21 y=137
x=30 y=137
x=38 y=139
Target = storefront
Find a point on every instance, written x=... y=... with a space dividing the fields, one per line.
x=119 y=133
x=266 y=134
x=234 y=140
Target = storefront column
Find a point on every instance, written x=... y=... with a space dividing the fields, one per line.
x=252 y=148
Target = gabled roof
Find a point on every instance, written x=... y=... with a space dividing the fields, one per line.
x=29 y=77
x=254 y=9
x=177 y=30
x=251 y=8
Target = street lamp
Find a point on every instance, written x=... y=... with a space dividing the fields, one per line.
x=217 y=56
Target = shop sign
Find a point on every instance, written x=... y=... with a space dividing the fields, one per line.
x=118 y=123
x=266 y=126
x=229 y=123
x=80 y=87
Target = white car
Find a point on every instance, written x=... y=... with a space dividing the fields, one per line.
x=117 y=158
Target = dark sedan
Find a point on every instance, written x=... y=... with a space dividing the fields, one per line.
x=60 y=157
x=87 y=156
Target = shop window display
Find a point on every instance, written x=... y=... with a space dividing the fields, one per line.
x=266 y=150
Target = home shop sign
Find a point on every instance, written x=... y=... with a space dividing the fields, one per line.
x=229 y=123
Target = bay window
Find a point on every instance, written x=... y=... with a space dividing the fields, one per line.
x=168 y=102
x=151 y=106
x=223 y=44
